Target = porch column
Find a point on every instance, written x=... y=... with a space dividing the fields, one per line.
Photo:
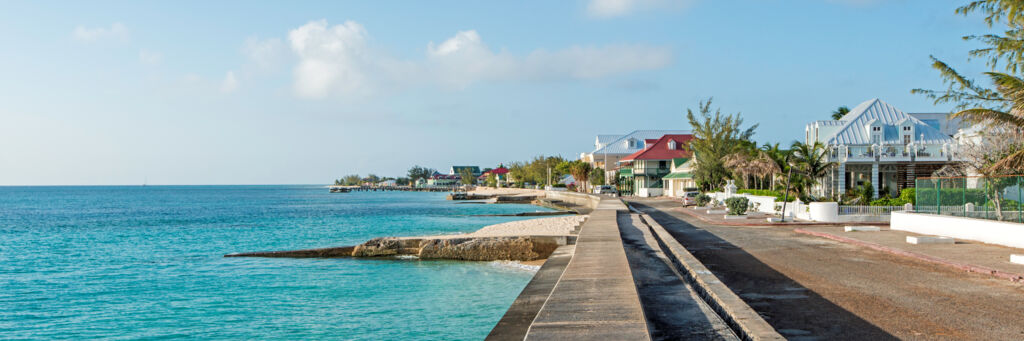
x=842 y=179
x=874 y=179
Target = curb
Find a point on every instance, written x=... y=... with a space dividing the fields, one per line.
x=808 y=223
x=746 y=322
x=1019 y=278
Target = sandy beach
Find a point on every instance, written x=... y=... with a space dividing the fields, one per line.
x=554 y=226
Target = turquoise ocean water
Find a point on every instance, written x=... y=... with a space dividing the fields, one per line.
x=146 y=262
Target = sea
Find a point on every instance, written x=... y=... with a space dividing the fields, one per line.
x=146 y=262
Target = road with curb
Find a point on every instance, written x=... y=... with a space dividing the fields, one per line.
x=808 y=287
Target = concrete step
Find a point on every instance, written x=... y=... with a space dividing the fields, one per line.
x=862 y=229
x=930 y=240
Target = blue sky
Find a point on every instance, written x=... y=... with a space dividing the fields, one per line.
x=240 y=92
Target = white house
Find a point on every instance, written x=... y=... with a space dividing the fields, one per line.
x=879 y=143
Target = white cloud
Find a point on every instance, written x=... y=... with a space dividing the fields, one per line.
x=338 y=60
x=616 y=8
x=116 y=31
x=229 y=84
x=150 y=57
x=264 y=53
x=329 y=58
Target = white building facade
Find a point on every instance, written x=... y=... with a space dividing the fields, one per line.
x=877 y=143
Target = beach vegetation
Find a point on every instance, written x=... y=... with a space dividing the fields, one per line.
x=579 y=169
x=737 y=205
x=467 y=176
x=418 y=172
x=997 y=106
x=597 y=177
x=492 y=180
x=716 y=136
x=536 y=170
x=703 y=199
x=810 y=163
x=840 y=112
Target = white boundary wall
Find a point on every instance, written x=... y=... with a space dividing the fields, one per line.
x=986 y=231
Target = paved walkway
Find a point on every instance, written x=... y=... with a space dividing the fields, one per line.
x=752 y=219
x=965 y=255
x=814 y=288
x=595 y=298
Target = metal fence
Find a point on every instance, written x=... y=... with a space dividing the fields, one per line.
x=995 y=198
x=868 y=210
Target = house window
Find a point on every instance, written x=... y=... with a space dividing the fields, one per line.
x=662 y=164
x=906 y=139
x=907 y=128
x=876 y=128
x=671 y=144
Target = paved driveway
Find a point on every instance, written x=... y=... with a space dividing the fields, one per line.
x=814 y=288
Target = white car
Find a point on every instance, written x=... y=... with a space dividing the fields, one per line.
x=605 y=189
x=690 y=198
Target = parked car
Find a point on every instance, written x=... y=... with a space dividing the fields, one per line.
x=605 y=189
x=690 y=198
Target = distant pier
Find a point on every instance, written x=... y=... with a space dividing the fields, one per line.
x=346 y=189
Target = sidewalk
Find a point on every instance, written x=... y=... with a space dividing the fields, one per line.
x=756 y=219
x=965 y=255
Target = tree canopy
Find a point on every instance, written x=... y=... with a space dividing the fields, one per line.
x=716 y=136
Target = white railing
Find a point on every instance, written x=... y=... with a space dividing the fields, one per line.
x=868 y=210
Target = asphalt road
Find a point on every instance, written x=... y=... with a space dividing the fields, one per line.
x=812 y=288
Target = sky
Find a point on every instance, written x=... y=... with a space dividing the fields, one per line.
x=245 y=92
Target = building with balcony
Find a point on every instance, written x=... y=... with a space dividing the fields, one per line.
x=643 y=171
x=610 y=149
x=877 y=143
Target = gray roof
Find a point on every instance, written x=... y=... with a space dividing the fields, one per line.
x=620 y=145
x=605 y=138
x=854 y=132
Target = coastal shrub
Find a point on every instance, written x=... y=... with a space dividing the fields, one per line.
x=558 y=185
x=703 y=199
x=908 y=195
x=737 y=205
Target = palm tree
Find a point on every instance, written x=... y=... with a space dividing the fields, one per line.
x=811 y=162
x=739 y=162
x=764 y=166
x=777 y=155
x=1011 y=91
x=840 y=112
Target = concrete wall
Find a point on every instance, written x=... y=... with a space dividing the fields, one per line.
x=764 y=204
x=986 y=231
x=582 y=199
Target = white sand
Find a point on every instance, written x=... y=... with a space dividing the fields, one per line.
x=554 y=226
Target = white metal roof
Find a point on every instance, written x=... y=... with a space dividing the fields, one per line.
x=853 y=131
x=621 y=145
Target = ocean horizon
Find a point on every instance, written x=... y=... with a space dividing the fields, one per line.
x=147 y=262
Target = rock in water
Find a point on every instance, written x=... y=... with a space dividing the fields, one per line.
x=377 y=247
x=483 y=249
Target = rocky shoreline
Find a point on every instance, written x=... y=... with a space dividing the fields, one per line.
x=524 y=240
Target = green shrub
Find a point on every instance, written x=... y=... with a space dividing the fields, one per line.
x=703 y=199
x=908 y=195
x=737 y=205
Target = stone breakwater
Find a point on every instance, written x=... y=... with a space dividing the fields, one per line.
x=521 y=248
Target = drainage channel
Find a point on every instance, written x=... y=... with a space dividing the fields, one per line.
x=674 y=310
x=743 y=321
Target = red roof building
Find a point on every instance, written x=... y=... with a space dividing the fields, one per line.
x=668 y=147
x=642 y=172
